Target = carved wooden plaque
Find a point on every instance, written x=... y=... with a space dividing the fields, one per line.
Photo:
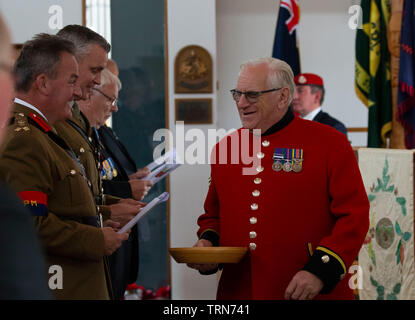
x=193 y=70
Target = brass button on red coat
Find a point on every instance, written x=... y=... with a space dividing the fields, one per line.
x=252 y=234
x=256 y=193
x=252 y=246
x=265 y=143
x=257 y=180
x=254 y=206
x=253 y=220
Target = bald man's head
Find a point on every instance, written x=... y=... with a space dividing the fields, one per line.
x=112 y=66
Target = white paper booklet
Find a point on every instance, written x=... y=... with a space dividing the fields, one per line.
x=162 y=166
x=161 y=198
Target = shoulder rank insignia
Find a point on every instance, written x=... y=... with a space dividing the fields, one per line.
x=35 y=201
x=21 y=124
x=42 y=123
x=288 y=159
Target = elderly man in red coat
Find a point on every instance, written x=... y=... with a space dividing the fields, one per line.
x=304 y=213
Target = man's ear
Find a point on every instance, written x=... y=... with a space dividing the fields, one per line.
x=42 y=84
x=284 y=96
x=317 y=97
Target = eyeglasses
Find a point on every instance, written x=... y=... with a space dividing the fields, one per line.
x=113 y=101
x=251 y=96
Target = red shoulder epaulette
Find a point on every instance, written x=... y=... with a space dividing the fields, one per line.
x=40 y=122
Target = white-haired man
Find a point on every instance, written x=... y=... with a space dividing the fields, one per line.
x=303 y=214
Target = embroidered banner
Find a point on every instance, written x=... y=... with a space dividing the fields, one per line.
x=387 y=255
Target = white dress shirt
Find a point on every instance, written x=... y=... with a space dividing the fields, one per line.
x=26 y=104
x=312 y=114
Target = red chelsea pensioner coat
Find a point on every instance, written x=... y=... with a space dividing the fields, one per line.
x=315 y=219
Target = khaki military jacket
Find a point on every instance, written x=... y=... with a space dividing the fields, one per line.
x=85 y=147
x=52 y=185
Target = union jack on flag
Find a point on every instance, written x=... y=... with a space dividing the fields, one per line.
x=285 y=43
x=294 y=10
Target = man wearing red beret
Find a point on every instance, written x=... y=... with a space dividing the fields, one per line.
x=308 y=99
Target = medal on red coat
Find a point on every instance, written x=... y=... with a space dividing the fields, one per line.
x=277 y=166
x=297 y=166
x=287 y=166
x=278 y=158
x=288 y=160
x=298 y=160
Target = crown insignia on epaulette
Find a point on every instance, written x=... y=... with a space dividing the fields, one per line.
x=21 y=123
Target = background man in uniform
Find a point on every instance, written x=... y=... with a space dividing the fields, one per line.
x=22 y=266
x=103 y=101
x=303 y=215
x=41 y=167
x=308 y=99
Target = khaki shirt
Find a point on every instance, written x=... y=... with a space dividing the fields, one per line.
x=45 y=175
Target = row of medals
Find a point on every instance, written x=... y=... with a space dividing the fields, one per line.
x=297 y=166
x=109 y=173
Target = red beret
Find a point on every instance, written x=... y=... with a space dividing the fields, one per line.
x=308 y=79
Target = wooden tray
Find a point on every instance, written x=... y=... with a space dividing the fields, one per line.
x=208 y=254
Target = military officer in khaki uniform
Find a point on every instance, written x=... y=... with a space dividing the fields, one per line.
x=91 y=52
x=22 y=266
x=42 y=168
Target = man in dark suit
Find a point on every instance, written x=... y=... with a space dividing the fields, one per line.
x=309 y=97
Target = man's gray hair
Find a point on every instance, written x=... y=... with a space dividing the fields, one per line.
x=41 y=55
x=83 y=38
x=280 y=74
x=107 y=77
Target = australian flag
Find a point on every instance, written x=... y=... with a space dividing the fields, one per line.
x=285 y=43
x=406 y=92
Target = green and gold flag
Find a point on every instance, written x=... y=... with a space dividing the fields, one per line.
x=372 y=70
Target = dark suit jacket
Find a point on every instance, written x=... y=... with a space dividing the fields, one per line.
x=325 y=118
x=124 y=261
x=123 y=162
x=22 y=266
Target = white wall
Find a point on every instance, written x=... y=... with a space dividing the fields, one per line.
x=328 y=48
x=190 y=22
x=247 y=30
x=244 y=31
x=26 y=18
